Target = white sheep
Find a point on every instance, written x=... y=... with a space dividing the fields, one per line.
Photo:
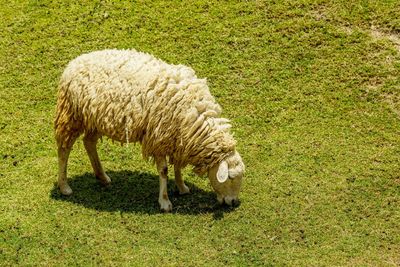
x=131 y=96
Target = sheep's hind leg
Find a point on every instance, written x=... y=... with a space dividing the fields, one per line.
x=162 y=167
x=183 y=189
x=64 y=149
x=90 y=142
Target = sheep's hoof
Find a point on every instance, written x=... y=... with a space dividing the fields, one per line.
x=65 y=190
x=165 y=206
x=104 y=180
x=184 y=190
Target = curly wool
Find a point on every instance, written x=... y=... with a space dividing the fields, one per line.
x=131 y=96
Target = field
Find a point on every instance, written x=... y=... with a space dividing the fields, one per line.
x=313 y=92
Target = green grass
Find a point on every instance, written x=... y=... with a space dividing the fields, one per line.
x=314 y=97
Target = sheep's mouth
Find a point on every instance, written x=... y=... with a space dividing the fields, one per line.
x=229 y=201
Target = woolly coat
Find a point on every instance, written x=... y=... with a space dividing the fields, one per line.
x=131 y=96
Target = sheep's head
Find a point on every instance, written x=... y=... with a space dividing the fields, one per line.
x=226 y=179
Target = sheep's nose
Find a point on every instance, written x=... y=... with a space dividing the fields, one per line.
x=235 y=202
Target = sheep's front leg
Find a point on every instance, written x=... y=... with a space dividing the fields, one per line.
x=183 y=189
x=162 y=167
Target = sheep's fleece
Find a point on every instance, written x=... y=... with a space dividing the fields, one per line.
x=131 y=96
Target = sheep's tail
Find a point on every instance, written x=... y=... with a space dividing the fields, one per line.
x=67 y=127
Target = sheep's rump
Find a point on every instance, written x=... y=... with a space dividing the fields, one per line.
x=131 y=96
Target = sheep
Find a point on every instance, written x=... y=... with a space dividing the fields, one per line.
x=131 y=96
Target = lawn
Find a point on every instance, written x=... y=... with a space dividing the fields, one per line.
x=313 y=92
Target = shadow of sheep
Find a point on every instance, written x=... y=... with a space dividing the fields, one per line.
x=137 y=192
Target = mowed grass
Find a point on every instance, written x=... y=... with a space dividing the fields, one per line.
x=312 y=89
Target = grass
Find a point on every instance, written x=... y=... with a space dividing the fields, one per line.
x=312 y=88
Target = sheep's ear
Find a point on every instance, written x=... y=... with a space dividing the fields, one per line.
x=222 y=173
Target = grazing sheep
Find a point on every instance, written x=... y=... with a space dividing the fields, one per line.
x=131 y=96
